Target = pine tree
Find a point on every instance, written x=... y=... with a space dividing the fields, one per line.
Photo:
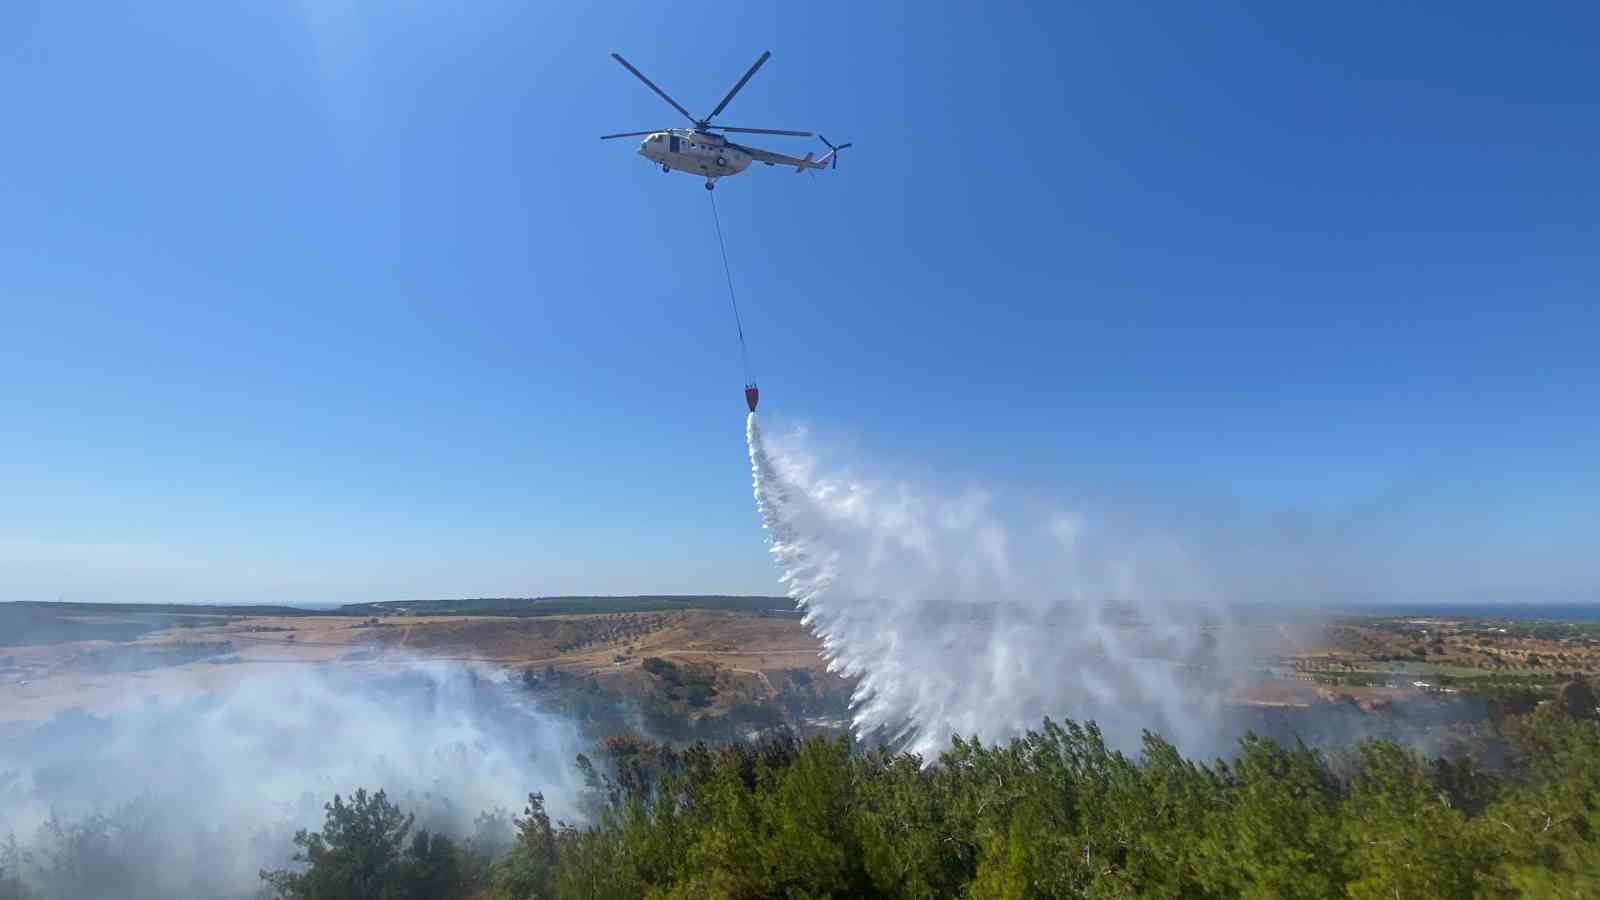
x=360 y=854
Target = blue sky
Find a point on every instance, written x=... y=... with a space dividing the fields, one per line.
x=340 y=300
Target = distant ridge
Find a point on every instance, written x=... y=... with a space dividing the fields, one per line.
x=51 y=621
x=176 y=609
x=566 y=605
x=24 y=622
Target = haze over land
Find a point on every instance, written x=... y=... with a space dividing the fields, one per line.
x=264 y=717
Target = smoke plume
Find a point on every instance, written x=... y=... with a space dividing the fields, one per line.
x=191 y=798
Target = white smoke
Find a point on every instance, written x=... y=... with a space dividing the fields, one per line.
x=199 y=794
x=957 y=620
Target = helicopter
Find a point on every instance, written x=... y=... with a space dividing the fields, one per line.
x=702 y=151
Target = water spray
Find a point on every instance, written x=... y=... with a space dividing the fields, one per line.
x=954 y=619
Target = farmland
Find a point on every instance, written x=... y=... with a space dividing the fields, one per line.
x=696 y=659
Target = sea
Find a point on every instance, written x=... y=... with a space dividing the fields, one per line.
x=1565 y=612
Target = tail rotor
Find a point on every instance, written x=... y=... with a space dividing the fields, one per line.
x=833 y=152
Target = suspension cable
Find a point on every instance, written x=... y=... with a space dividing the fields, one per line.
x=744 y=354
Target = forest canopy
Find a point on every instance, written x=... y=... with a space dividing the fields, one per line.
x=1055 y=813
x=1513 y=810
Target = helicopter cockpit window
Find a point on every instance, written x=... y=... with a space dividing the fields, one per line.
x=656 y=139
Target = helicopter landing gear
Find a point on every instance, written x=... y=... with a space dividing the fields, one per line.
x=710 y=185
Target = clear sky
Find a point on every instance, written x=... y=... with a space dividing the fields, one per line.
x=344 y=300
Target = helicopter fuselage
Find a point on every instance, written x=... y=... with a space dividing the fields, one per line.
x=706 y=155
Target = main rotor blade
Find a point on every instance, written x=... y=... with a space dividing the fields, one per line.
x=607 y=137
x=736 y=87
x=762 y=131
x=652 y=85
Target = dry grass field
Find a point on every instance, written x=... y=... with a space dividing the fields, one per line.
x=1457 y=647
x=751 y=651
x=102 y=660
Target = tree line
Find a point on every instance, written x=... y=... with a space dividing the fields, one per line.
x=1054 y=813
